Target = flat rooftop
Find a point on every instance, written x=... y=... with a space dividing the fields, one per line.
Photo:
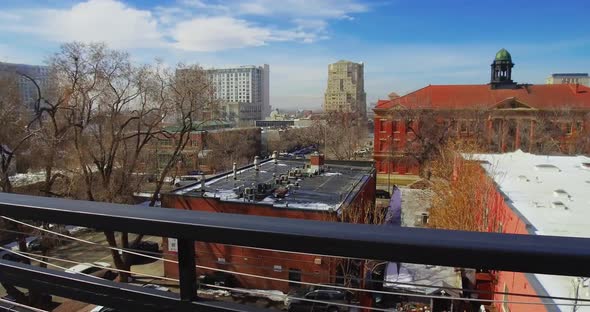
x=325 y=191
x=552 y=194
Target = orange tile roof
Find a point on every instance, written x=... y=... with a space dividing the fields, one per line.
x=547 y=97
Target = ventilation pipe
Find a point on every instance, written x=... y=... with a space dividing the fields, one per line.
x=203 y=182
x=235 y=170
x=257 y=163
x=275 y=156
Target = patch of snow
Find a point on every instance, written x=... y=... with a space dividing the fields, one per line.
x=268 y=199
x=273 y=295
x=142 y=194
x=282 y=165
x=214 y=292
x=310 y=206
x=22 y=179
x=222 y=194
x=331 y=174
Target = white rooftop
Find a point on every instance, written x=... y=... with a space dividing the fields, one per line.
x=552 y=193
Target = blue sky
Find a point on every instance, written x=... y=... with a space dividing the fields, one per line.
x=405 y=44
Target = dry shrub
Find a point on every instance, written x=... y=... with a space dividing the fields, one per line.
x=463 y=194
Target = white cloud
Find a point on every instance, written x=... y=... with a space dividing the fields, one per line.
x=218 y=33
x=302 y=8
x=110 y=21
x=190 y=25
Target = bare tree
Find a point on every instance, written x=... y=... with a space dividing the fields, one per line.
x=343 y=135
x=15 y=133
x=188 y=93
x=231 y=145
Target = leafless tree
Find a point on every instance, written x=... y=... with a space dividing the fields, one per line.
x=343 y=135
x=188 y=93
x=229 y=146
x=16 y=131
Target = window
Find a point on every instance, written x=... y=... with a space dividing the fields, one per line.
x=323 y=296
x=382 y=145
x=382 y=125
x=394 y=126
x=294 y=275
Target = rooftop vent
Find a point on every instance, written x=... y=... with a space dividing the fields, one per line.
x=561 y=193
x=559 y=205
x=523 y=178
x=547 y=168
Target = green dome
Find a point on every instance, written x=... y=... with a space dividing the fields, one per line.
x=503 y=55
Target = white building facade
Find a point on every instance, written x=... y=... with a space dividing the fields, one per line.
x=569 y=78
x=246 y=88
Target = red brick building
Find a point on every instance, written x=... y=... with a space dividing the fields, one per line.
x=302 y=189
x=538 y=195
x=501 y=116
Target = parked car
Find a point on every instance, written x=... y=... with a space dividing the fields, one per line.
x=35 y=245
x=12 y=257
x=98 y=269
x=330 y=301
x=146 y=247
x=14 y=245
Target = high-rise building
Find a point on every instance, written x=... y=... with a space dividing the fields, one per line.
x=569 y=78
x=346 y=88
x=246 y=86
x=28 y=90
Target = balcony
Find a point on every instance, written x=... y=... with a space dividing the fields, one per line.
x=493 y=251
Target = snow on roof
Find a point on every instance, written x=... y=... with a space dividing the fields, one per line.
x=324 y=192
x=419 y=274
x=552 y=193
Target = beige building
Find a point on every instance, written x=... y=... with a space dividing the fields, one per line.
x=346 y=88
x=569 y=78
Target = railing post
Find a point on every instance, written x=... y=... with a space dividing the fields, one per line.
x=187 y=270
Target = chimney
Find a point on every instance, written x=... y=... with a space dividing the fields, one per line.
x=317 y=162
x=235 y=170
x=203 y=182
x=275 y=156
x=257 y=163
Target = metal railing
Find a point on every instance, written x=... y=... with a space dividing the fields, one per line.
x=507 y=252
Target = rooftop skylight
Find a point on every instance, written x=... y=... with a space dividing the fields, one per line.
x=559 y=205
x=547 y=168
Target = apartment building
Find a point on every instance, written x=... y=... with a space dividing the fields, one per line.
x=244 y=92
x=346 y=89
x=569 y=78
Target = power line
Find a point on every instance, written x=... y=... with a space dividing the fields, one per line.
x=316 y=284
x=259 y=292
x=88 y=242
x=42 y=261
x=385 y=292
x=20 y=306
x=401 y=294
x=100 y=266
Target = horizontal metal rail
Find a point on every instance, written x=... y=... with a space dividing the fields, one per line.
x=124 y=297
x=508 y=252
